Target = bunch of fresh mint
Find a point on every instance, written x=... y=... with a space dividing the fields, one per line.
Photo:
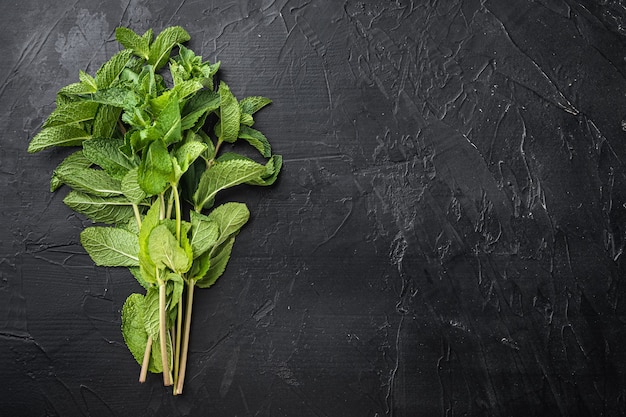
x=148 y=169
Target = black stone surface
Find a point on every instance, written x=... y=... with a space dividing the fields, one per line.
x=446 y=238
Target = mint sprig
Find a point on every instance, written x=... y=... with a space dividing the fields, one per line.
x=148 y=170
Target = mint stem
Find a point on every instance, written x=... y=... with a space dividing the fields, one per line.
x=167 y=376
x=146 y=361
x=185 y=348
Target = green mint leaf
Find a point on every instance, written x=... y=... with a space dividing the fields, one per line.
x=165 y=251
x=116 y=97
x=57 y=136
x=156 y=169
x=134 y=332
x=110 y=246
x=272 y=169
x=230 y=115
x=163 y=44
x=230 y=217
x=71 y=163
x=151 y=312
x=149 y=222
x=168 y=121
x=205 y=233
x=91 y=181
x=198 y=106
x=111 y=70
x=130 y=187
x=246 y=120
x=139 y=45
x=256 y=139
x=106 y=153
x=222 y=175
x=106 y=120
x=175 y=286
x=87 y=79
x=187 y=153
x=251 y=105
x=113 y=210
x=72 y=113
x=218 y=264
x=137 y=274
x=76 y=89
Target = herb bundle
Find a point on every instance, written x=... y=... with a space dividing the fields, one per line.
x=147 y=171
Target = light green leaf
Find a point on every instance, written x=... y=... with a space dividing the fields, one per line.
x=75 y=89
x=222 y=175
x=106 y=153
x=246 y=120
x=110 y=246
x=113 y=210
x=111 y=70
x=205 y=233
x=165 y=251
x=134 y=331
x=156 y=169
x=163 y=44
x=149 y=222
x=73 y=162
x=140 y=45
x=251 y=105
x=151 y=312
x=230 y=115
x=72 y=113
x=256 y=139
x=130 y=187
x=57 y=136
x=187 y=153
x=87 y=79
x=230 y=217
x=218 y=264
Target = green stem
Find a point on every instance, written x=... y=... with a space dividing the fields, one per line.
x=178 y=215
x=179 y=328
x=167 y=376
x=185 y=347
x=137 y=215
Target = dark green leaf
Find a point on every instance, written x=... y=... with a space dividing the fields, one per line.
x=217 y=264
x=105 y=121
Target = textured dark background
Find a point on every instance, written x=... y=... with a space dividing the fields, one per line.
x=446 y=239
